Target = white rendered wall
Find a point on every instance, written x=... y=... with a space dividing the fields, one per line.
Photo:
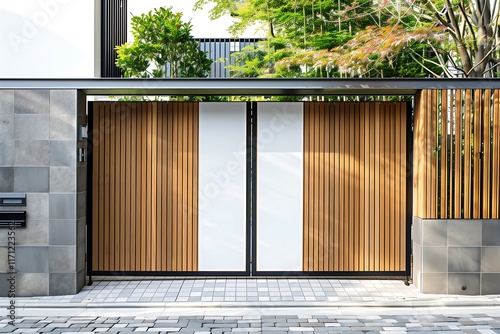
x=222 y=187
x=279 y=186
x=47 y=39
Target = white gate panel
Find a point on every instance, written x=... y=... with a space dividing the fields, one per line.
x=222 y=187
x=279 y=186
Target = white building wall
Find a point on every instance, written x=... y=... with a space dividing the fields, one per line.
x=47 y=39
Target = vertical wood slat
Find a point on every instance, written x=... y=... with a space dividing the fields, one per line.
x=336 y=187
x=382 y=188
x=467 y=155
x=376 y=190
x=143 y=174
x=114 y=229
x=349 y=213
x=458 y=154
x=433 y=139
x=495 y=167
x=486 y=181
x=123 y=185
x=133 y=184
x=137 y=175
x=477 y=151
x=366 y=232
x=444 y=155
x=427 y=149
x=327 y=193
x=402 y=174
x=451 y=153
x=159 y=249
x=398 y=127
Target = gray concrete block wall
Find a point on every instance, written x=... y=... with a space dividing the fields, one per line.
x=456 y=256
x=38 y=131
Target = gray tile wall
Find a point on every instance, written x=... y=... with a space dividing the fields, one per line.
x=456 y=256
x=38 y=131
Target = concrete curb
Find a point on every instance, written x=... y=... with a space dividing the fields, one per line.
x=403 y=303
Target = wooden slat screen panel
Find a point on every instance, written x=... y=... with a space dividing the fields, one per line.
x=145 y=186
x=354 y=186
x=465 y=155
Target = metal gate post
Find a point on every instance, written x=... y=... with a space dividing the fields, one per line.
x=251 y=188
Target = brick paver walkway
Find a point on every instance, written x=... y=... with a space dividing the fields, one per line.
x=459 y=323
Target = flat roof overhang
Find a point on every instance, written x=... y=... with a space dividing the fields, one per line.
x=251 y=86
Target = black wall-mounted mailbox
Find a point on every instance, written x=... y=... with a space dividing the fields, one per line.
x=12 y=218
x=12 y=199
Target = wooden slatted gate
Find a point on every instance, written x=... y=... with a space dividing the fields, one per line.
x=355 y=187
x=144 y=187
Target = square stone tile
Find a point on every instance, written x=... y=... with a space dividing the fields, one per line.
x=31 y=127
x=491 y=232
x=36 y=233
x=463 y=283
x=489 y=284
x=63 y=153
x=32 y=284
x=37 y=206
x=62 y=179
x=32 y=259
x=31 y=101
x=464 y=259
x=465 y=232
x=7 y=125
x=62 y=284
x=435 y=283
x=63 y=127
x=62 y=259
x=62 y=206
x=4 y=255
x=63 y=102
x=62 y=232
x=490 y=260
x=8 y=153
x=32 y=153
x=435 y=259
x=6 y=179
x=434 y=232
x=6 y=101
x=7 y=284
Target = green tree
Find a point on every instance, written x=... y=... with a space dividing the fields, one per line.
x=331 y=38
x=162 y=47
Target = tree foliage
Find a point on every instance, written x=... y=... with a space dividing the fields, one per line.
x=162 y=47
x=381 y=38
